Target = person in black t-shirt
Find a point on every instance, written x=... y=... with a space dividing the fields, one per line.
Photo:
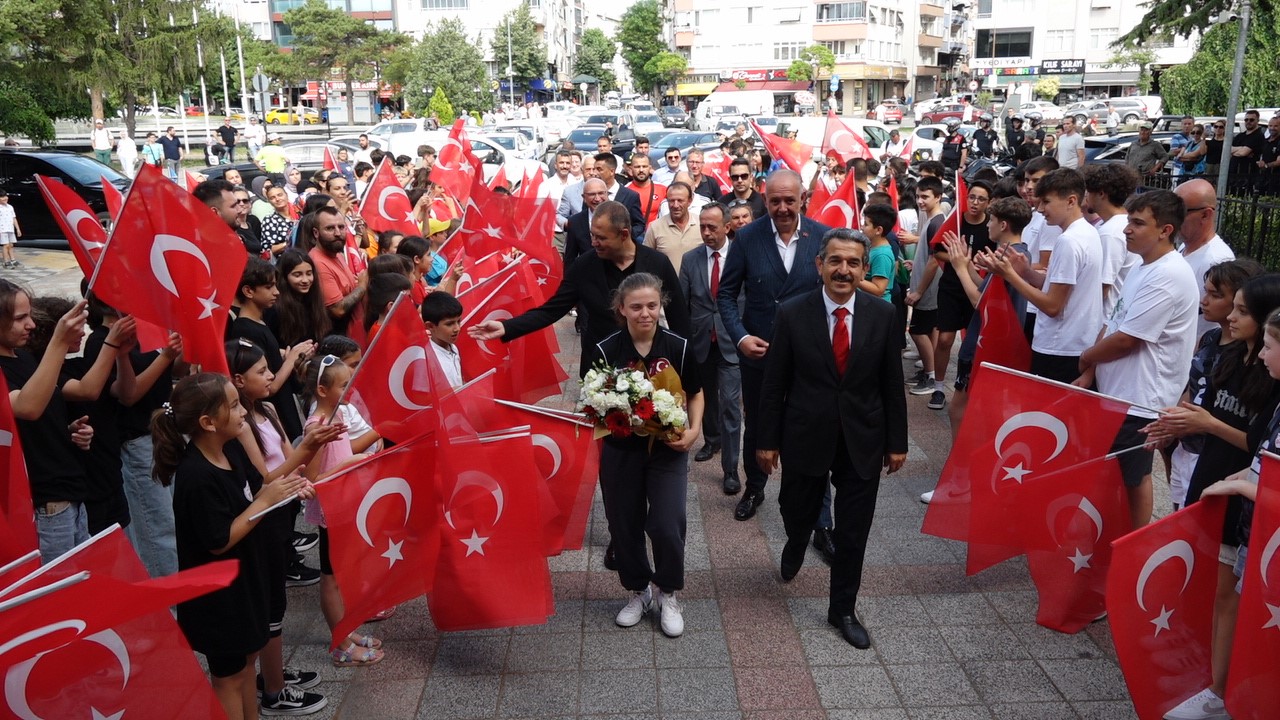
x=1246 y=151
x=954 y=308
x=1015 y=135
x=1269 y=162
x=985 y=138
x=228 y=135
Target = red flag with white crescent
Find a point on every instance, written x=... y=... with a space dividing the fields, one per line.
x=457 y=168
x=1160 y=598
x=192 y=181
x=908 y=148
x=843 y=142
x=85 y=234
x=1252 y=690
x=386 y=205
x=841 y=208
x=793 y=153
x=717 y=165
x=171 y=262
x=330 y=162
x=115 y=201
x=393 y=381
x=951 y=224
x=1001 y=339
x=18 y=536
x=384 y=526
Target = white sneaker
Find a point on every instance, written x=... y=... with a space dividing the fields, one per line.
x=911 y=354
x=672 y=615
x=1204 y=705
x=926 y=498
x=639 y=604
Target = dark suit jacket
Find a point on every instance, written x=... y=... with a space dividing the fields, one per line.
x=805 y=405
x=755 y=270
x=631 y=199
x=704 y=312
x=586 y=281
x=577 y=237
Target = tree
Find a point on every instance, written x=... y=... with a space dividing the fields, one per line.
x=528 y=54
x=812 y=59
x=640 y=32
x=1178 y=17
x=1047 y=87
x=1128 y=57
x=325 y=39
x=1201 y=86
x=669 y=67
x=441 y=107
x=594 y=58
x=447 y=61
x=283 y=68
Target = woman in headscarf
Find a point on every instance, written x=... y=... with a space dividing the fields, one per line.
x=292 y=178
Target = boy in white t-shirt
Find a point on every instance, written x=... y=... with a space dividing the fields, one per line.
x=1145 y=348
x=442 y=314
x=1068 y=293
x=10 y=230
x=1107 y=188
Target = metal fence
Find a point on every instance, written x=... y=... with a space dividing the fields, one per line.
x=1248 y=214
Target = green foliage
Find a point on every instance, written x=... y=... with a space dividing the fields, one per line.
x=441 y=107
x=669 y=67
x=594 y=58
x=1178 y=17
x=640 y=32
x=740 y=84
x=528 y=54
x=800 y=71
x=812 y=60
x=1201 y=86
x=21 y=114
x=1130 y=56
x=983 y=99
x=1047 y=87
x=447 y=61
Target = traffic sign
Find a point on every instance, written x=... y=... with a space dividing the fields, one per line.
x=261 y=83
x=835 y=83
x=973 y=86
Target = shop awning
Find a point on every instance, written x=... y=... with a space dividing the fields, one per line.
x=698 y=88
x=778 y=86
x=1123 y=77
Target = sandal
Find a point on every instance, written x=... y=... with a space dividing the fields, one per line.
x=364 y=641
x=383 y=615
x=353 y=656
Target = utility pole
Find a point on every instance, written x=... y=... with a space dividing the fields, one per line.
x=1233 y=100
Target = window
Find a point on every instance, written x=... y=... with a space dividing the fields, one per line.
x=842 y=12
x=1058 y=40
x=705 y=18
x=371 y=6
x=752 y=14
x=984 y=8
x=1101 y=38
x=789 y=14
x=787 y=50
x=835 y=46
x=1161 y=40
x=444 y=4
x=1002 y=44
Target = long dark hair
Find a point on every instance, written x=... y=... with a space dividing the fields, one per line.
x=243 y=354
x=300 y=317
x=193 y=397
x=1261 y=297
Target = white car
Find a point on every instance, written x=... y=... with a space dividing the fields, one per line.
x=643 y=123
x=1049 y=112
x=514 y=143
x=402 y=137
x=928 y=138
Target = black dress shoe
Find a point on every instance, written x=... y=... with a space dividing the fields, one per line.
x=824 y=540
x=610 y=558
x=850 y=629
x=792 y=557
x=732 y=486
x=747 y=505
x=707 y=452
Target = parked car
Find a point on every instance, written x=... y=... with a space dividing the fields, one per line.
x=296 y=116
x=82 y=174
x=928 y=138
x=1131 y=110
x=514 y=143
x=1114 y=149
x=927 y=106
x=954 y=110
x=642 y=122
x=194 y=111
x=686 y=141
x=1049 y=112
x=673 y=116
x=888 y=111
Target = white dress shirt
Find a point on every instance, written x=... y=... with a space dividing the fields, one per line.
x=786 y=250
x=831 y=306
x=724 y=253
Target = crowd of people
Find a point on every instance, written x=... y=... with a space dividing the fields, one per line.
x=735 y=287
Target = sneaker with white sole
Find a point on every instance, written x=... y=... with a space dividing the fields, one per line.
x=927 y=497
x=1204 y=705
x=937 y=400
x=292 y=700
x=671 y=614
x=911 y=354
x=916 y=378
x=635 y=609
x=925 y=386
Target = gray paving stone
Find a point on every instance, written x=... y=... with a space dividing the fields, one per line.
x=855 y=687
x=892 y=611
x=910 y=645
x=932 y=684
x=1015 y=606
x=868 y=714
x=826 y=647
x=683 y=690
x=567 y=618
x=962 y=712
x=538 y=695
x=1011 y=681
x=1108 y=710
x=1086 y=680
x=460 y=697
x=1034 y=711
x=541 y=653
x=983 y=642
x=961 y=609
x=1045 y=644
x=387 y=699
x=697 y=716
x=622 y=648
x=619 y=691
x=471 y=655
x=693 y=649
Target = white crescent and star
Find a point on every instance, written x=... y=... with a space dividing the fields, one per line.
x=843 y=207
x=493 y=315
x=1268 y=552
x=16 y=678
x=473 y=478
x=165 y=243
x=74 y=218
x=1179 y=549
x=388 y=192
x=1036 y=419
x=546 y=443
x=1080 y=560
x=377 y=491
x=407 y=358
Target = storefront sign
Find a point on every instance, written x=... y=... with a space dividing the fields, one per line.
x=754 y=75
x=1062 y=67
x=999 y=62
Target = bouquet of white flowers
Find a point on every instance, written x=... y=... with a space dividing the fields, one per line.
x=628 y=401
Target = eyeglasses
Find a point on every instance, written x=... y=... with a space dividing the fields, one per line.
x=1198 y=209
x=325 y=362
x=740 y=176
x=1219 y=127
x=240 y=201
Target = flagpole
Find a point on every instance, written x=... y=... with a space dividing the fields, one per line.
x=480 y=304
x=58 y=560
x=571 y=417
x=33 y=555
x=373 y=343
x=116 y=224
x=44 y=590
x=504 y=268
x=1068 y=386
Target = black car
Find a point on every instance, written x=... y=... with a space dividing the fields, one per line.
x=673 y=116
x=18 y=170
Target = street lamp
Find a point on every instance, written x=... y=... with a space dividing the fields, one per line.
x=511 y=71
x=1246 y=10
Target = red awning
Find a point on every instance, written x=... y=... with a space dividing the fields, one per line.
x=778 y=86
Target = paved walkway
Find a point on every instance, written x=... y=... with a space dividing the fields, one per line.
x=945 y=646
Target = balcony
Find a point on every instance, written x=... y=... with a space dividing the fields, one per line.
x=931 y=8
x=683 y=5
x=840 y=31
x=684 y=38
x=925 y=40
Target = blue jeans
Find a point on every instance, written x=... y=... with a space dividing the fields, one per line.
x=151 y=530
x=62 y=530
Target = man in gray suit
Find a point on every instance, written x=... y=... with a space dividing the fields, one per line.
x=711 y=345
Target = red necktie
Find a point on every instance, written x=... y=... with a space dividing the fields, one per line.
x=715 y=286
x=840 y=340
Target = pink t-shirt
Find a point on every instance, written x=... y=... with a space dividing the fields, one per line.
x=326 y=459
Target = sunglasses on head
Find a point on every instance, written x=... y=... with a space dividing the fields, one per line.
x=325 y=362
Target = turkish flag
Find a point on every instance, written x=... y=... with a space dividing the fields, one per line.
x=124 y=655
x=793 y=153
x=492 y=571
x=79 y=224
x=1029 y=432
x=174 y=263
x=383 y=525
x=952 y=222
x=843 y=142
x=1160 y=596
x=716 y=164
x=1001 y=340
x=1252 y=690
x=893 y=200
x=817 y=201
x=386 y=205
x=113 y=198
x=393 y=380
x=457 y=167
x=568 y=459
x=841 y=208
x=18 y=510
x=909 y=148
x=330 y=162
x=21 y=564
x=476 y=270
x=500 y=180
x=192 y=180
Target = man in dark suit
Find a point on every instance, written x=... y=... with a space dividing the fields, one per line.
x=577 y=232
x=768 y=263
x=833 y=403
x=700 y=271
x=607 y=170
